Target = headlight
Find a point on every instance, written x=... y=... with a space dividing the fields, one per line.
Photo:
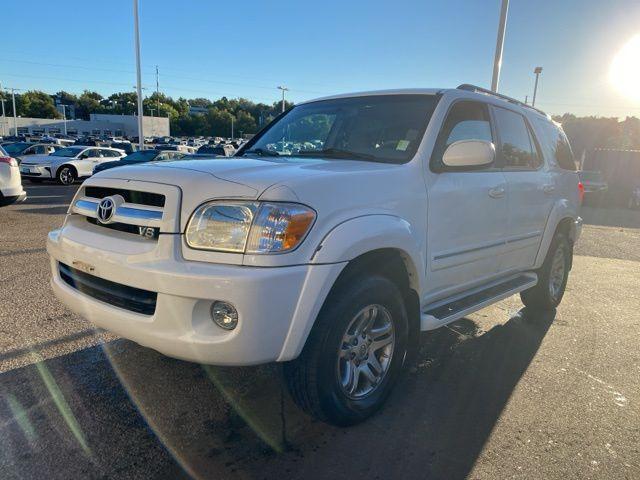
x=249 y=227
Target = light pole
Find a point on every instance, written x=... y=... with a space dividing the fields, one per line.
x=497 y=59
x=138 y=75
x=284 y=89
x=537 y=71
x=64 y=117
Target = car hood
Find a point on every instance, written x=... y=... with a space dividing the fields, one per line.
x=39 y=159
x=261 y=173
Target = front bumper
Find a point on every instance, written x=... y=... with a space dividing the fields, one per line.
x=276 y=306
x=35 y=171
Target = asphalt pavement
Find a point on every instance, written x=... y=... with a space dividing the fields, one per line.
x=504 y=393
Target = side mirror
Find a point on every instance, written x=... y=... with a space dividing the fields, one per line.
x=469 y=153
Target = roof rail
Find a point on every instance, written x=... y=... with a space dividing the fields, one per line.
x=473 y=88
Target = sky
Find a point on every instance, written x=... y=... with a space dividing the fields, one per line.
x=246 y=49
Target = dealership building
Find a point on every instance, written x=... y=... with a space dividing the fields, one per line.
x=98 y=124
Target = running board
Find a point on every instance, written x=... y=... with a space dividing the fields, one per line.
x=450 y=309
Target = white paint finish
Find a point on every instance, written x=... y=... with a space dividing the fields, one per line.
x=467 y=228
x=84 y=161
x=455 y=230
x=10 y=182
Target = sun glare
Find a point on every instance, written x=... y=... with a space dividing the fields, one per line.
x=624 y=73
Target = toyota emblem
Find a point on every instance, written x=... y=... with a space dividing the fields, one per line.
x=106 y=209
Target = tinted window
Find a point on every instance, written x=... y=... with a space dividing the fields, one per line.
x=465 y=121
x=385 y=128
x=517 y=147
x=555 y=145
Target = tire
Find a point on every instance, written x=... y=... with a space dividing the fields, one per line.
x=552 y=276
x=35 y=180
x=319 y=380
x=66 y=175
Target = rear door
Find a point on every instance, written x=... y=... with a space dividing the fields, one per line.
x=467 y=222
x=531 y=187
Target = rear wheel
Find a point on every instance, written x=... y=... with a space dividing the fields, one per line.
x=66 y=175
x=552 y=276
x=354 y=354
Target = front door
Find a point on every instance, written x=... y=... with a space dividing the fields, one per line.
x=467 y=222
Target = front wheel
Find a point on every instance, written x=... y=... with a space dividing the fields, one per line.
x=66 y=176
x=354 y=354
x=552 y=276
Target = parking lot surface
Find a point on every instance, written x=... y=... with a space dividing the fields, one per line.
x=504 y=393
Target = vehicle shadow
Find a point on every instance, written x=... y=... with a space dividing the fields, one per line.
x=143 y=413
x=610 y=216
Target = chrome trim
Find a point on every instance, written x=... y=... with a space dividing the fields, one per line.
x=131 y=214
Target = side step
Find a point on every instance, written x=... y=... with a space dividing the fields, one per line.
x=450 y=309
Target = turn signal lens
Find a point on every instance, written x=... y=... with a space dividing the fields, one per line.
x=279 y=227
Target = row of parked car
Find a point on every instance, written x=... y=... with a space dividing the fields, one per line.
x=57 y=161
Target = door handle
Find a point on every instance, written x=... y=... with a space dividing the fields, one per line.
x=496 y=192
x=548 y=188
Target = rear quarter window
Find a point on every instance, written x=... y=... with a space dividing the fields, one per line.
x=555 y=145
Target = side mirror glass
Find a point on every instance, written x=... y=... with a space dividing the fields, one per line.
x=469 y=153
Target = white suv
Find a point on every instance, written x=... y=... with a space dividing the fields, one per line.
x=330 y=240
x=67 y=164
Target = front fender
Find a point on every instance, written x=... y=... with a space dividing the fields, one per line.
x=361 y=235
x=346 y=241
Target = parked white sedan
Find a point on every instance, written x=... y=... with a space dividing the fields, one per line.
x=68 y=164
x=10 y=183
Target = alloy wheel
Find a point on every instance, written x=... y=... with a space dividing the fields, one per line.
x=365 y=351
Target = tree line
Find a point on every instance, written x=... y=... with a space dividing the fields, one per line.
x=584 y=133
x=214 y=120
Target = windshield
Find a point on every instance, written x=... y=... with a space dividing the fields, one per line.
x=15 y=148
x=142 y=156
x=66 y=152
x=591 y=176
x=385 y=128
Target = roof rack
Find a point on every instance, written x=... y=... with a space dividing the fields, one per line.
x=474 y=88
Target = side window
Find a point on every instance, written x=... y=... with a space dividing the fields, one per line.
x=465 y=121
x=555 y=145
x=30 y=151
x=517 y=147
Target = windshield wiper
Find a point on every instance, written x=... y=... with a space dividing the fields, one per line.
x=263 y=152
x=338 y=153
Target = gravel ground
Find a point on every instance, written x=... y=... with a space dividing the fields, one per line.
x=504 y=393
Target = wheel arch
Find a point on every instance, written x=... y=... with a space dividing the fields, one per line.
x=380 y=244
x=562 y=219
x=66 y=164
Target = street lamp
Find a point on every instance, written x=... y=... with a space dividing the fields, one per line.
x=284 y=89
x=138 y=74
x=537 y=71
x=497 y=59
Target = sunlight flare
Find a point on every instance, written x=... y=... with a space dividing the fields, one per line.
x=624 y=73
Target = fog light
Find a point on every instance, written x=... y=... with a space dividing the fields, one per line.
x=224 y=315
